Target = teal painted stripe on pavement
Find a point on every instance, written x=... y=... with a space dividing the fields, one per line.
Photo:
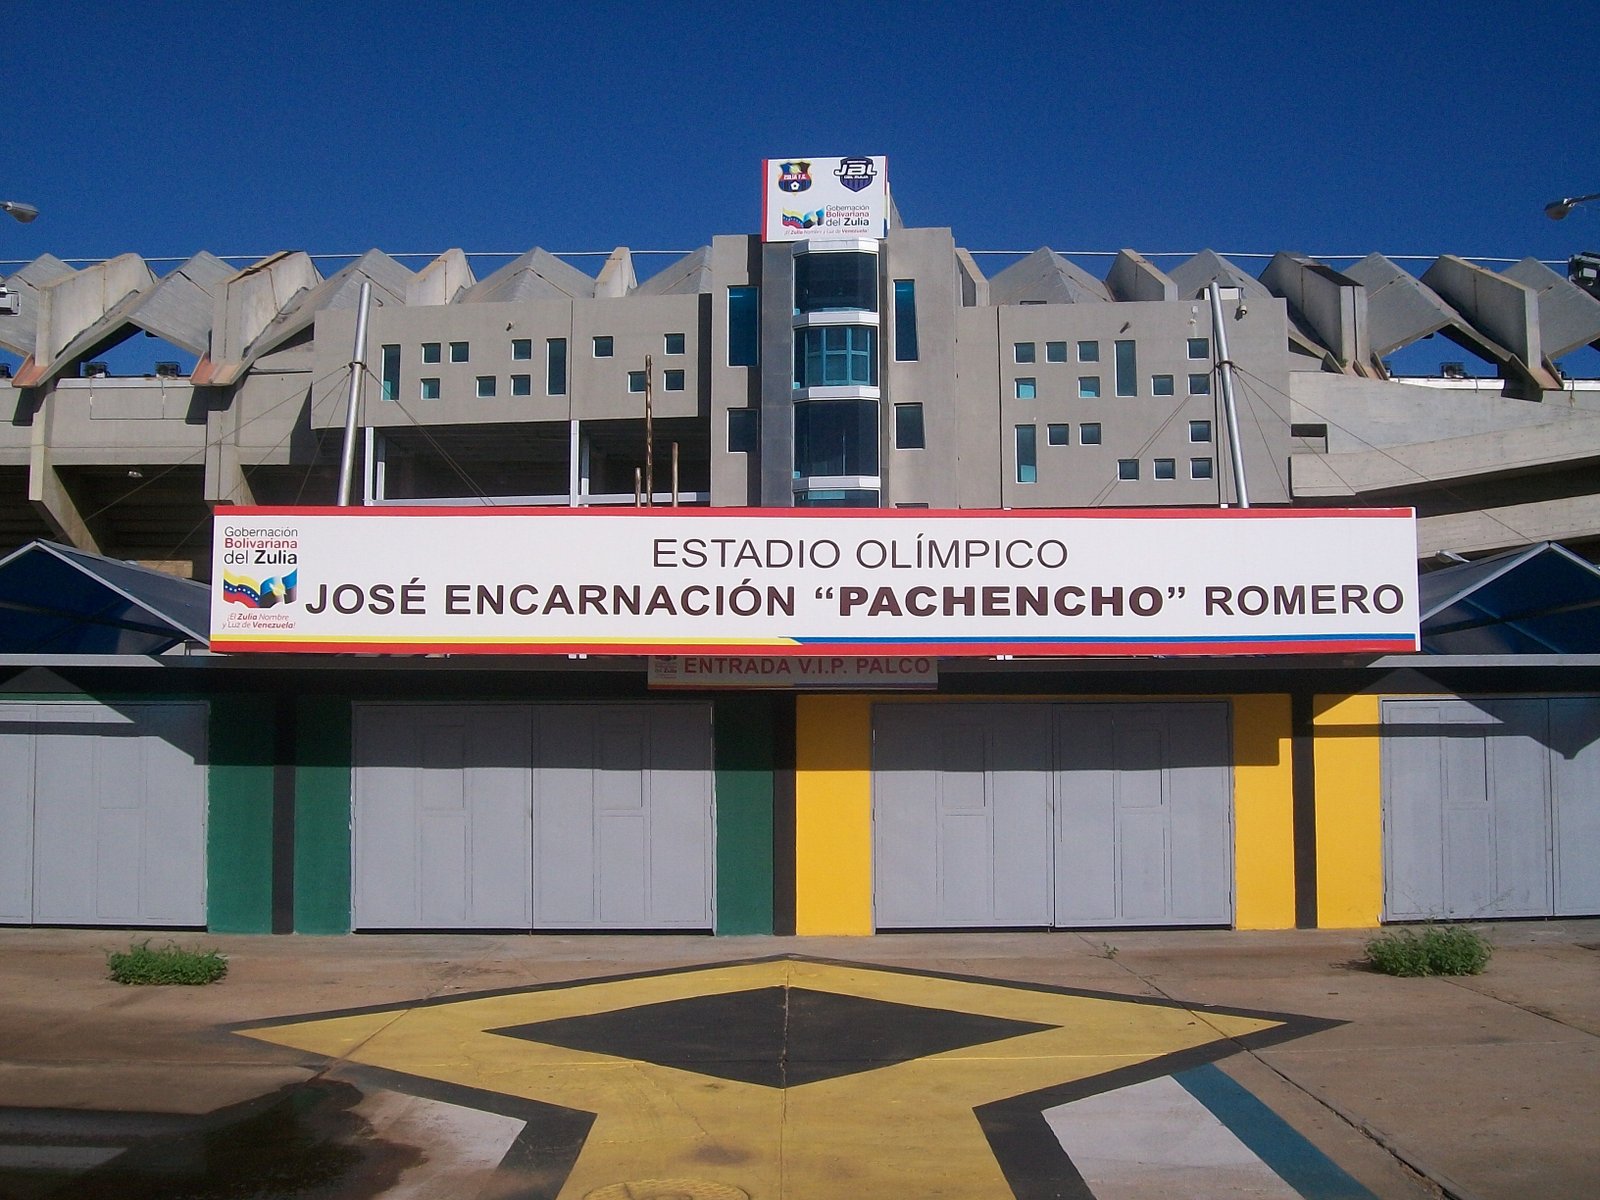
x=1273 y=1140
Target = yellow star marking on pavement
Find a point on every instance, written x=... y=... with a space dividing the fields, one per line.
x=905 y=1129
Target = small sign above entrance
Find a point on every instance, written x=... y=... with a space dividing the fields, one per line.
x=840 y=671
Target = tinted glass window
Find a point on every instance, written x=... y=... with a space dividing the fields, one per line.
x=836 y=282
x=744 y=327
x=835 y=437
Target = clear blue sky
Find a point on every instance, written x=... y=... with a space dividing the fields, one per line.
x=1410 y=128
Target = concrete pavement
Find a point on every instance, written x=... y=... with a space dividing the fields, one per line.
x=1127 y=1064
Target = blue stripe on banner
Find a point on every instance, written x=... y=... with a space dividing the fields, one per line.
x=1273 y=1140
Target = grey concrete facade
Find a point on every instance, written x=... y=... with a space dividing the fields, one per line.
x=1037 y=385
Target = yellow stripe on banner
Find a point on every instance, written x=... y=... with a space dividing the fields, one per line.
x=1349 y=812
x=1263 y=813
x=833 y=815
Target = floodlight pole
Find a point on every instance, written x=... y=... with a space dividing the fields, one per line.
x=1224 y=366
x=358 y=371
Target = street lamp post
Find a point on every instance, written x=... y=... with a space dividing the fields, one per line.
x=19 y=210
x=1582 y=269
x=1557 y=210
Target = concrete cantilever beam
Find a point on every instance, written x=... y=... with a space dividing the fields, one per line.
x=1134 y=277
x=1332 y=305
x=1569 y=317
x=1503 y=309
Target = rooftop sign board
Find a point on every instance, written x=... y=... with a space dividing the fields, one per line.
x=803 y=198
x=815 y=582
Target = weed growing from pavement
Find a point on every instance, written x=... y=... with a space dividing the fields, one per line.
x=1436 y=950
x=167 y=964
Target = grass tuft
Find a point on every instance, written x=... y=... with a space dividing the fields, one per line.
x=1436 y=950
x=171 y=963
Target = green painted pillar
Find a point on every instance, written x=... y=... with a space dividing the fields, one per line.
x=239 y=784
x=744 y=728
x=322 y=815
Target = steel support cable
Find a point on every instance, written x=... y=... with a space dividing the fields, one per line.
x=1422 y=480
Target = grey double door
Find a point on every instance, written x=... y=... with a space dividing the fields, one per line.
x=1052 y=814
x=103 y=813
x=1491 y=807
x=520 y=816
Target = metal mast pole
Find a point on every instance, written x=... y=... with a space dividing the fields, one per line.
x=1224 y=366
x=649 y=439
x=358 y=371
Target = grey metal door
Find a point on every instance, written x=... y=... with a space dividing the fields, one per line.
x=622 y=834
x=104 y=815
x=1575 y=792
x=443 y=796
x=1466 y=807
x=961 y=815
x=16 y=813
x=1144 y=821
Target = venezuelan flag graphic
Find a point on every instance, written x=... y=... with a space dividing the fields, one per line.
x=236 y=589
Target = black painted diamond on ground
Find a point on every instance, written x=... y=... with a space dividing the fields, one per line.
x=774 y=1036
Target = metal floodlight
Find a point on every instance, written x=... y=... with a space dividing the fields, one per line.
x=1556 y=210
x=21 y=211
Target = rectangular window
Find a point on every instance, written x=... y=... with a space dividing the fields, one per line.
x=459 y=352
x=1059 y=435
x=391 y=373
x=1088 y=387
x=744 y=426
x=1089 y=433
x=672 y=381
x=603 y=346
x=1166 y=468
x=1161 y=385
x=521 y=349
x=1199 y=468
x=1127 y=369
x=1127 y=468
x=836 y=281
x=1027 y=454
x=430 y=389
x=485 y=387
x=836 y=356
x=1023 y=351
x=1200 y=385
x=905 y=320
x=636 y=381
x=430 y=352
x=555 y=366
x=908 y=432
x=1199 y=347
x=1088 y=351
x=1055 y=352
x=672 y=343
x=522 y=385
x=1199 y=431
x=744 y=327
x=1027 y=389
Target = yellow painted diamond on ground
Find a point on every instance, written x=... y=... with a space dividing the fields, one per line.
x=792 y=1077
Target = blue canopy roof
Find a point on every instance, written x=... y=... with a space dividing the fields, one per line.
x=57 y=600
x=1542 y=599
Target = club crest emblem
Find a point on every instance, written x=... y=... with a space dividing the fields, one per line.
x=794 y=176
x=856 y=173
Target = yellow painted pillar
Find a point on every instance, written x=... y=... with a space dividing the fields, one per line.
x=833 y=815
x=1263 y=812
x=1349 y=811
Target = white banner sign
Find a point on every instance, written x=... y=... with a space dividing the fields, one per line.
x=856 y=671
x=824 y=198
x=815 y=582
